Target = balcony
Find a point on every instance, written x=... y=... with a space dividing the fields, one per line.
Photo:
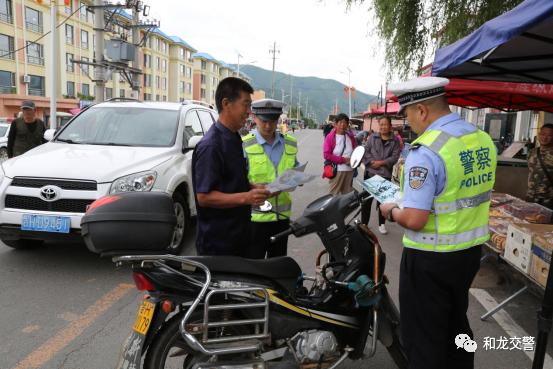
x=7 y=18
x=7 y=54
x=37 y=60
x=33 y=27
x=36 y=92
x=7 y=90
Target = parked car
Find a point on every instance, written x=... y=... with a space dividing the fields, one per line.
x=4 y=131
x=109 y=148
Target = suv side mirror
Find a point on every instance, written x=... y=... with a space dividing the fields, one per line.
x=49 y=134
x=192 y=142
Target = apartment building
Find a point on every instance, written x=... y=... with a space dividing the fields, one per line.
x=156 y=56
x=181 y=66
x=206 y=77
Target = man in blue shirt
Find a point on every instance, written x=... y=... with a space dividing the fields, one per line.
x=223 y=194
x=269 y=154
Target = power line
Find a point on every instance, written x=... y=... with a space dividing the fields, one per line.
x=44 y=35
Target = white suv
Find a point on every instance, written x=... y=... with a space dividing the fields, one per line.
x=111 y=147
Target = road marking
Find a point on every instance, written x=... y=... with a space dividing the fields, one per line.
x=505 y=321
x=55 y=344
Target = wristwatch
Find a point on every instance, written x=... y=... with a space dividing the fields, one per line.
x=390 y=215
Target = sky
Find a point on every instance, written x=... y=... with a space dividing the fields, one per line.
x=315 y=38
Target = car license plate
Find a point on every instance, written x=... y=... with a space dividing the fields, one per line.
x=144 y=317
x=45 y=223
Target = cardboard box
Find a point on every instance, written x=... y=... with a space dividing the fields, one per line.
x=521 y=237
x=539 y=265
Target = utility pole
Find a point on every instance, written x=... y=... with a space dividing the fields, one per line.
x=274 y=51
x=299 y=107
x=349 y=90
x=282 y=95
x=99 y=71
x=291 y=97
x=239 y=56
x=306 y=104
x=53 y=65
x=135 y=63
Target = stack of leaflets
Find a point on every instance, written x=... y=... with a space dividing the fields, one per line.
x=383 y=190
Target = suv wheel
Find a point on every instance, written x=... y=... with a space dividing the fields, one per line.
x=181 y=211
x=23 y=244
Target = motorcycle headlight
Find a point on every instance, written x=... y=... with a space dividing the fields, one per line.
x=137 y=182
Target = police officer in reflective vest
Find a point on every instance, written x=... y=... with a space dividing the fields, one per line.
x=446 y=184
x=269 y=154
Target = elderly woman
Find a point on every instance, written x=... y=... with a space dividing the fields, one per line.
x=338 y=146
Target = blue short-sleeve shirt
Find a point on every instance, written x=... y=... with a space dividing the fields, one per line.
x=424 y=171
x=218 y=164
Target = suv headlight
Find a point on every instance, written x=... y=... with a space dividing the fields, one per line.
x=137 y=182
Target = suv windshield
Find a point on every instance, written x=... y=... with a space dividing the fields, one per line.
x=119 y=126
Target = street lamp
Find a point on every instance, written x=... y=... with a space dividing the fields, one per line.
x=349 y=89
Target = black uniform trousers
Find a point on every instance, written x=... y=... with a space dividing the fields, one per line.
x=433 y=297
x=261 y=245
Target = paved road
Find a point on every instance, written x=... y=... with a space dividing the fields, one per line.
x=63 y=307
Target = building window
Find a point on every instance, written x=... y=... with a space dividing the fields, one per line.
x=189 y=88
x=182 y=70
x=69 y=61
x=214 y=81
x=6 y=11
x=109 y=93
x=82 y=11
x=84 y=39
x=147 y=97
x=181 y=53
x=182 y=87
x=157 y=62
x=188 y=72
x=69 y=8
x=164 y=83
x=157 y=82
x=69 y=34
x=157 y=46
x=147 y=61
x=147 y=80
x=157 y=97
x=33 y=20
x=35 y=53
x=36 y=86
x=6 y=47
x=84 y=67
x=85 y=89
x=202 y=93
x=122 y=93
x=7 y=82
x=164 y=98
x=204 y=65
x=202 y=79
x=71 y=89
x=164 y=65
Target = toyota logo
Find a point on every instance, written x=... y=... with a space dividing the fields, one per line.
x=49 y=193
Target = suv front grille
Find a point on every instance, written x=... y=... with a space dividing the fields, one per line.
x=34 y=203
x=64 y=184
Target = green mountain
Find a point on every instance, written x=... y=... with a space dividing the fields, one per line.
x=322 y=93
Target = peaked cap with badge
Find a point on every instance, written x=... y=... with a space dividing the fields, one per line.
x=418 y=89
x=267 y=109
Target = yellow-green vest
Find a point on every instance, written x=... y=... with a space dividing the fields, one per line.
x=459 y=217
x=261 y=171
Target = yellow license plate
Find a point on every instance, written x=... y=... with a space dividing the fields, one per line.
x=144 y=317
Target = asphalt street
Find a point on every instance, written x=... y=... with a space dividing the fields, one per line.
x=64 y=307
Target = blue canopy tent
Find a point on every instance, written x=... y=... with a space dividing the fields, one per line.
x=517 y=46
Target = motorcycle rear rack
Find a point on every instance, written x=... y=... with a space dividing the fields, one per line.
x=189 y=337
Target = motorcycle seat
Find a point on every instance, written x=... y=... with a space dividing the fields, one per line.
x=283 y=269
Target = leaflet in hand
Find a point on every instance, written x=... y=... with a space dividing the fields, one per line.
x=383 y=190
x=289 y=180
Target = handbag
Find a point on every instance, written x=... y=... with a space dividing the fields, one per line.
x=330 y=169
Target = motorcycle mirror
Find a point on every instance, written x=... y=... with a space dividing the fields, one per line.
x=357 y=156
x=266 y=207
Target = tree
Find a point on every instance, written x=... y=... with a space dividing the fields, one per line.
x=413 y=29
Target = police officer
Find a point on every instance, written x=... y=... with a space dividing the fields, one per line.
x=269 y=155
x=26 y=132
x=222 y=191
x=446 y=185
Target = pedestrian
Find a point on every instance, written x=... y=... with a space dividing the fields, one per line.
x=446 y=185
x=26 y=131
x=222 y=191
x=327 y=129
x=540 y=166
x=269 y=154
x=397 y=135
x=381 y=154
x=338 y=147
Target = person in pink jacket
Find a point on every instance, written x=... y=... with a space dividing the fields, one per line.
x=337 y=148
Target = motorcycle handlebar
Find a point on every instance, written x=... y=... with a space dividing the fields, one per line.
x=282 y=234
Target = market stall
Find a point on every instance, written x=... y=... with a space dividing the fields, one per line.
x=514 y=47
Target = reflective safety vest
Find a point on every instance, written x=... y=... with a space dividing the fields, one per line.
x=261 y=171
x=460 y=213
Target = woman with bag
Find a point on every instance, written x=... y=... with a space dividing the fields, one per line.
x=337 y=149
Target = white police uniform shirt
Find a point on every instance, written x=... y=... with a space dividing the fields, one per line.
x=424 y=170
